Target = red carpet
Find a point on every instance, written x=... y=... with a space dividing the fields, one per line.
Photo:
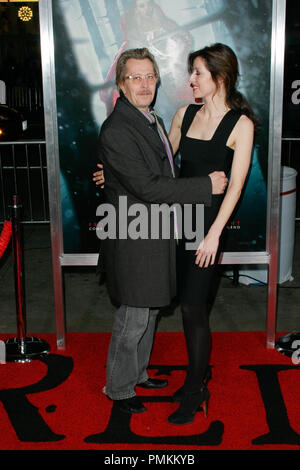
x=57 y=403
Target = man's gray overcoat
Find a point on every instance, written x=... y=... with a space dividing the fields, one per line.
x=141 y=272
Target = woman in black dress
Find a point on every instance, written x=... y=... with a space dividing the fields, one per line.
x=215 y=136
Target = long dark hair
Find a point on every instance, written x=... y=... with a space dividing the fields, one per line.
x=222 y=62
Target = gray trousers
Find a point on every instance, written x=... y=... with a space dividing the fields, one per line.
x=129 y=350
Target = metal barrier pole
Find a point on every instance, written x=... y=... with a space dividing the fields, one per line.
x=18 y=272
x=22 y=348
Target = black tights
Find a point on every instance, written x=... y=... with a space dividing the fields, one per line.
x=198 y=341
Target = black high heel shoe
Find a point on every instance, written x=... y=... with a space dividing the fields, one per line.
x=189 y=405
x=178 y=395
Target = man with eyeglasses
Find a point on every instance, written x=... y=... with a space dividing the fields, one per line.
x=140 y=273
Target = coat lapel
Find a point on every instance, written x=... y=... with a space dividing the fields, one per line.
x=138 y=121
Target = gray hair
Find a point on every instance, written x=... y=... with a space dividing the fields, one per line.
x=139 y=54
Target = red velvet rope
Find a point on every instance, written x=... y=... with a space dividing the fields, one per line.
x=5 y=236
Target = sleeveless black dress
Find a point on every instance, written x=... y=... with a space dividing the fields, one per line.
x=199 y=158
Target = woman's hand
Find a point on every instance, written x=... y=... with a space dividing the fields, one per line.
x=99 y=176
x=206 y=253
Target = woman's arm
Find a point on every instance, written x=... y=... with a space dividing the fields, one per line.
x=242 y=141
x=175 y=131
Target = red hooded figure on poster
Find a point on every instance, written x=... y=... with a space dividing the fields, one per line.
x=145 y=25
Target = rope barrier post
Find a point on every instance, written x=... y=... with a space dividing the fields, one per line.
x=22 y=348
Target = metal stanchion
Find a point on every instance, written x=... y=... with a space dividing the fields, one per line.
x=22 y=348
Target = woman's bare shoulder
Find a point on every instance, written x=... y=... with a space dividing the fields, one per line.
x=178 y=116
x=245 y=124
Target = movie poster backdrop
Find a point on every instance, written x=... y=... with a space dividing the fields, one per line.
x=89 y=35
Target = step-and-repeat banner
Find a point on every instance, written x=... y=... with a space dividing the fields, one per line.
x=89 y=35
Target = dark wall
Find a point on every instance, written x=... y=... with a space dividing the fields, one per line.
x=20 y=57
